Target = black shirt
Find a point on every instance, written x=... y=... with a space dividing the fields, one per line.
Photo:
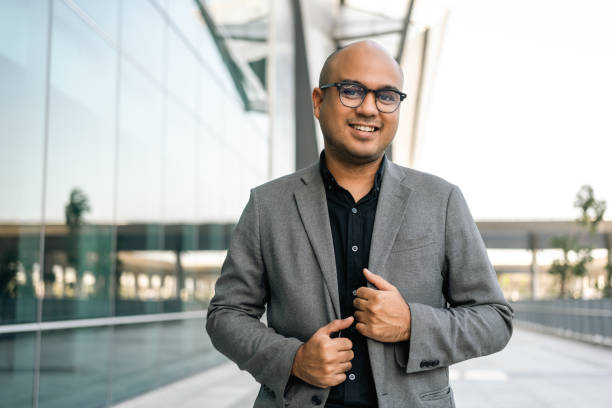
x=351 y=226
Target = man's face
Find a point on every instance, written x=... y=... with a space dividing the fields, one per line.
x=374 y=69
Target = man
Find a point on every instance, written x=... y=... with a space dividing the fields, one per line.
x=374 y=277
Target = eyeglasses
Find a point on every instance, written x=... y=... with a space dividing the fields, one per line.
x=353 y=94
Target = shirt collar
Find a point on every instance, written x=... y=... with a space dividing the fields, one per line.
x=330 y=181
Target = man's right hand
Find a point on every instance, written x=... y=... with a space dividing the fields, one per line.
x=322 y=361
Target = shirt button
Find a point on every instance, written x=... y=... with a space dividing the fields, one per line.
x=354 y=210
x=354 y=248
x=355 y=292
x=351 y=376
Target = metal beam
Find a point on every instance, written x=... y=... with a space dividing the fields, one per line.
x=234 y=70
x=402 y=44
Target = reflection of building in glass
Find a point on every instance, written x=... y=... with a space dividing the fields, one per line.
x=128 y=153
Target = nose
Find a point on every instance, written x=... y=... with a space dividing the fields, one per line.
x=368 y=106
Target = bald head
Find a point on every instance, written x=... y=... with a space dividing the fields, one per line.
x=362 y=50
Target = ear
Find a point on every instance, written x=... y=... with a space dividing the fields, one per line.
x=317 y=99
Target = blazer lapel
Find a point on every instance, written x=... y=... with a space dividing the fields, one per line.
x=392 y=204
x=312 y=206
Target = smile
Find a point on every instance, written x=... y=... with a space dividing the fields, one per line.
x=364 y=128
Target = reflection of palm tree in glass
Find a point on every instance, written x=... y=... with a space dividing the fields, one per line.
x=8 y=271
x=76 y=207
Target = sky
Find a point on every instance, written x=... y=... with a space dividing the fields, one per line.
x=521 y=110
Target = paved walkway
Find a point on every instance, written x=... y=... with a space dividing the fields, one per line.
x=533 y=371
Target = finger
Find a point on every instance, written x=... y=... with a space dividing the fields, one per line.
x=342 y=344
x=345 y=356
x=366 y=293
x=344 y=367
x=336 y=325
x=363 y=329
x=360 y=316
x=377 y=280
x=338 y=379
x=359 y=304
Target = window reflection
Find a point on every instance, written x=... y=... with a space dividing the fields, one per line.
x=23 y=41
x=147 y=276
x=17 y=368
x=138 y=174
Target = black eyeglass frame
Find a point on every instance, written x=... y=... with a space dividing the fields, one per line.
x=365 y=93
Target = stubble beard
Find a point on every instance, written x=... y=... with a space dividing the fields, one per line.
x=343 y=154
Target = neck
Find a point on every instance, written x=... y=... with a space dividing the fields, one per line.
x=358 y=179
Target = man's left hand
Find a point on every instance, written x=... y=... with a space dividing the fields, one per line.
x=381 y=314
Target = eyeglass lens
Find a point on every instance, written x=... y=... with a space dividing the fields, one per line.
x=353 y=95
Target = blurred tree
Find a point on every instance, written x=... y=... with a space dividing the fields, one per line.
x=592 y=209
x=574 y=262
x=8 y=273
x=78 y=205
x=576 y=255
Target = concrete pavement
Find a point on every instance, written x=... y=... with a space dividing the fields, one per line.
x=534 y=371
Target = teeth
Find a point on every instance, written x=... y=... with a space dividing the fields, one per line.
x=364 y=128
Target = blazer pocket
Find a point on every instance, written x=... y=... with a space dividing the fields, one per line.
x=413 y=243
x=436 y=394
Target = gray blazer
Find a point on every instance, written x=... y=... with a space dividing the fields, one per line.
x=425 y=242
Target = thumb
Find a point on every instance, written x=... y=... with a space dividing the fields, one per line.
x=377 y=280
x=337 y=325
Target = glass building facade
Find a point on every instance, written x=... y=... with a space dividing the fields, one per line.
x=127 y=157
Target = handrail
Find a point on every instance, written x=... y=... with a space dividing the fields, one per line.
x=100 y=322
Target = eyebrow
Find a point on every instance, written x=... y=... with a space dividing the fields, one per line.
x=360 y=83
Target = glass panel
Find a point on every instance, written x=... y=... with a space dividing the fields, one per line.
x=182 y=68
x=186 y=16
x=74 y=368
x=81 y=153
x=147 y=282
x=140 y=148
x=144 y=283
x=180 y=168
x=135 y=351
x=210 y=152
x=104 y=13
x=201 y=270
x=184 y=350
x=143 y=36
x=23 y=45
x=17 y=369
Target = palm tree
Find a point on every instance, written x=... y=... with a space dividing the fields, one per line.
x=567 y=267
x=78 y=205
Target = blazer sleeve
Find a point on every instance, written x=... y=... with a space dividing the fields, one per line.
x=477 y=320
x=233 y=318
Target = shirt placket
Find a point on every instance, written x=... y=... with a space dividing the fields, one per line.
x=354 y=260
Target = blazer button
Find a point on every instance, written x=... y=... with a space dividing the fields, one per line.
x=316 y=400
